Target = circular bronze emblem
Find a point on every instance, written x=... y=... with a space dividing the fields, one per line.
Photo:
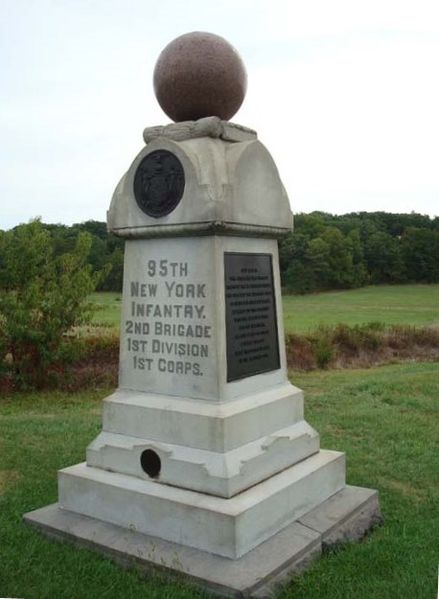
x=159 y=183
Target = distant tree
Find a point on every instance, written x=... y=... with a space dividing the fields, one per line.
x=292 y=246
x=384 y=259
x=376 y=247
x=318 y=264
x=94 y=227
x=340 y=259
x=294 y=271
x=311 y=225
x=359 y=271
x=42 y=296
x=98 y=256
x=113 y=280
x=420 y=250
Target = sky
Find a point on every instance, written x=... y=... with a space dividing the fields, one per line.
x=344 y=94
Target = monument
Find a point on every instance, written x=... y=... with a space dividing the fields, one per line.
x=205 y=466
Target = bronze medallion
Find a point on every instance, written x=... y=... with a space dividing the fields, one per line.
x=159 y=183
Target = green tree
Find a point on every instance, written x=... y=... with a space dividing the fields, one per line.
x=42 y=296
x=114 y=278
x=340 y=259
x=317 y=262
x=294 y=269
x=420 y=249
x=311 y=225
x=384 y=261
x=360 y=276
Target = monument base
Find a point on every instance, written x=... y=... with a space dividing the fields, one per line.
x=346 y=516
x=227 y=527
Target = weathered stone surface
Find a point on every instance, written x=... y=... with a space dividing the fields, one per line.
x=206 y=425
x=173 y=318
x=257 y=574
x=231 y=188
x=199 y=75
x=216 y=473
x=346 y=516
x=225 y=526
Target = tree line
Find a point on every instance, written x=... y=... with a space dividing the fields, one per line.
x=328 y=251
x=324 y=251
x=47 y=272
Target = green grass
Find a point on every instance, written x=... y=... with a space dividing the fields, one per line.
x=108 y=306
x=416 y=305
x=399 y=304
x=386 y=419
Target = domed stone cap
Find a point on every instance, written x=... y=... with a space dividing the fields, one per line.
x=198 y=75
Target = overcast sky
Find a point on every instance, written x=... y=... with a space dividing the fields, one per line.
x=345 y=95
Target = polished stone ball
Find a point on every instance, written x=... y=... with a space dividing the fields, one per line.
x=197 y=75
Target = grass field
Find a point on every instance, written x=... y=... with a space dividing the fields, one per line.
x=108 y=306
x=399 y=304
x=386 y=419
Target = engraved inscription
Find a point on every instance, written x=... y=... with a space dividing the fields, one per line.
x=251 y=325
x=166 y=327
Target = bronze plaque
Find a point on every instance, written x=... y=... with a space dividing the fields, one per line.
x=251 y=323
x=159 y=183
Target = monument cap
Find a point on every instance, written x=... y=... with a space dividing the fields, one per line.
x=198 y=75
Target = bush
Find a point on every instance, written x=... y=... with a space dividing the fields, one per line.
x=86 y=362
x=300 y=353
x=323 y=352
x=357 y=338
x=42 y=296
x=360 y=345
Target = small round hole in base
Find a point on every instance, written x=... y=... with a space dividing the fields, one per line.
x=150 y=463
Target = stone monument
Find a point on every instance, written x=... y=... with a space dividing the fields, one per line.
x=205 y=465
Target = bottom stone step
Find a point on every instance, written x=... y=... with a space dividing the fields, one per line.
x=227 y=527
x=347 y=515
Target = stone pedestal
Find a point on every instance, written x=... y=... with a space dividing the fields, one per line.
x=204 y=444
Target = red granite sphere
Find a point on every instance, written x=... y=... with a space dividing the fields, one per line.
x=197 y=75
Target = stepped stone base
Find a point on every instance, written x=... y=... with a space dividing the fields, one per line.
x=228 y=527
x=345 y=516
x=222 y=474
x=218 y=449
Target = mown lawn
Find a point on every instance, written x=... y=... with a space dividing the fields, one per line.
x=415 y=305
x=108 y=306
x=386 y=419
x=397 y=304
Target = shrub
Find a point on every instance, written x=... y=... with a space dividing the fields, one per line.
x=360 y=345
x=86 y=362
x=367 y=337
x=42 y=296
x=300 y=353
x=323 y=352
